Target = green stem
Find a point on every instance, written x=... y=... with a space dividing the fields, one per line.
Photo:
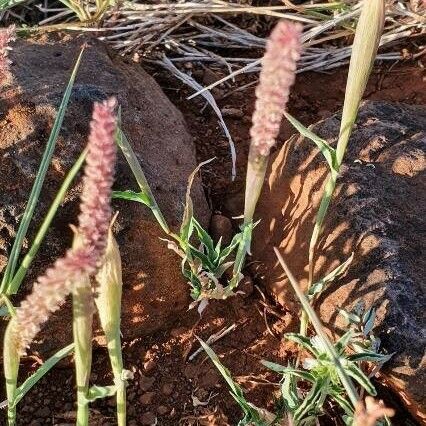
x=255 y=177
x=116 y=358
x=11 y=369
x=82 y=329
x=322 y=212
x=14 y=285
x=139 y=175
x=108 y=302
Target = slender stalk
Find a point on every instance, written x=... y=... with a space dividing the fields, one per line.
x=139 y=175
x=325 y=202
x=82 y=330
x=364 y=50
x=14 y=285
x=108 y=303
x=82 y=322
x=11 y=368
x=345 y=379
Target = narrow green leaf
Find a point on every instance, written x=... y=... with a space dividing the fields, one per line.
x=204 y=237
x=139 y=175
x=38 y=183
x=41 y=371
x=370 y=357
x=356 y=373
x=289 y=393
x=289 y=370
x=368 y=321
x=320 y=285
x=130 y=195
x=189 y=210
x=350 y=317
x=303 y=341
x=32 y=252
x=229 y=249
x=314 y=398
x=344 y=403
x=98 y=392
x=326 y=150
x=236 y=390
x=341 y=344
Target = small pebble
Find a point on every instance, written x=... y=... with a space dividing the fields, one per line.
x=146 y=383
x=148 y=419
x=162 y=410
x=167 y=389
x=146 y=398
x=149 y=365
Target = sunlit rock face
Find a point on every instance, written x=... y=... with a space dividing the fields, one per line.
x=154 y=290
x=377 y=213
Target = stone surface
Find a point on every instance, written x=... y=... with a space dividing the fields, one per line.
x=378 y=212
x=154 y=290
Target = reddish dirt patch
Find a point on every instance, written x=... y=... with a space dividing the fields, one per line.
x=164 y=378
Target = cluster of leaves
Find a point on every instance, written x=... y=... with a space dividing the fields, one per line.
x=206 y=265
x=356 y=349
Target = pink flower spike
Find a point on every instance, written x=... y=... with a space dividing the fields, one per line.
x=51 y=289
x=48 y=294
x=277 y=75
x=98 y=178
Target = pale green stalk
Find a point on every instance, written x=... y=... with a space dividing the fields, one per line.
x=11 y=360
x=108 y=303
x=139 y=175
x=82 y=307
x=256 y=171
x=364 y=50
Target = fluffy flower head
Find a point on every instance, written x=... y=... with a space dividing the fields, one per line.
x=50 y=290
x=276 y=78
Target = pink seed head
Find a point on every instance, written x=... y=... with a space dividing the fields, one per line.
x=48 y=294
x=51 y=289
x=277 y=75
x=98 y=178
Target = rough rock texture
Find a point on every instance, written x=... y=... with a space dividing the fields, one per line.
x=154 y=290
x=378 y=213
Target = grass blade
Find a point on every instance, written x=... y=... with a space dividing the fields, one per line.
x=41 y=371
x=320 y=285
x=38 y=183
x=139 y=175
x=327 y=151
x=14 y=285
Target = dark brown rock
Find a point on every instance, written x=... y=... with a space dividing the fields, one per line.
x=154 y=290
x=221 y=227
x=377 y=213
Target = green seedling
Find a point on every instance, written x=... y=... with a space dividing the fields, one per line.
x=204 y=264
